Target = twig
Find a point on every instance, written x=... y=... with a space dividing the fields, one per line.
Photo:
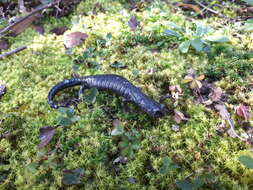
x=40 y=8
x=211 y=10
x=232 y=127
x=12 y=52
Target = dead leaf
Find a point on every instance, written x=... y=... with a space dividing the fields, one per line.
x=244 y=10
x=215 y=94
x=197 y=155
x=243 y=111
x=176 y=89
x=46 y=134
x=223 y=112
x=59 y=30
x=133 y=23
x=4 y=44
x=38 y=28
x=2 y=89
x=179 y=116
x=74 y=39
x=191 y=7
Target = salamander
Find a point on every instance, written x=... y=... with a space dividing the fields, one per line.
x=114 y=83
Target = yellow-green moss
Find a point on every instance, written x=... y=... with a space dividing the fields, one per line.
x=30 y=74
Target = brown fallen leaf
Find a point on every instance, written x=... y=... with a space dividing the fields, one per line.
x=226 y=116
x=243 y=111
x=179 y=116
x=2 y=89
x=191 y=7
x=46 y=134
x=197 y=155
x=4 y=44
x=133 y=23
x=38 y=28
x=215 y=94
x=175 y=89
x=244 y=11
x=74 y=39
x=59 y=30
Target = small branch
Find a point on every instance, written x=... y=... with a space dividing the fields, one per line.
x=211 y=10
x=232 y=127
x=40 y=8
x=12 y=52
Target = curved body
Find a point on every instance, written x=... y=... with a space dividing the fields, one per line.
x=115 y=84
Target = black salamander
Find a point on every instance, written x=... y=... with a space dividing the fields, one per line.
x=113 y=83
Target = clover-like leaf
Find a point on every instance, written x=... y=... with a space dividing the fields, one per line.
x=247 y=161
x=184 y=46
x=169 y=32
x=91 y=96
x=197 y=44
x=72 y=177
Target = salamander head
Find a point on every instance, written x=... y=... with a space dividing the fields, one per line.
x=158 y=110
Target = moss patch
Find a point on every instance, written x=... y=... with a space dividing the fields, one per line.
x=197 y=149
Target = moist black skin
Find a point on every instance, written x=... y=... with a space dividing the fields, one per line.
x=115 y=84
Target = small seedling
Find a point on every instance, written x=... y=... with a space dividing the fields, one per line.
x=167 y=165
x=67 y=116
x=200 y=38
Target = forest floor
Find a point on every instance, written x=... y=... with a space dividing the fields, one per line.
x=199 y=57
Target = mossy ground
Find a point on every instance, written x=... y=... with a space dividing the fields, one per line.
x=197 y=149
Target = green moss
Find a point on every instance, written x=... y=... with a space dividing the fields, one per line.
x=197 y=149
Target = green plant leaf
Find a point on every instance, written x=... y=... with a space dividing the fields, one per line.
x=171 y=33
x=247 y=161
x=118 y=65
x=64 y=121
x=63 y=110
x=184 y=46
x=218 y=39
x=173 y=25
x=167 y=165
x=202 y=30
x=249 y=25
x=250 y=2
x=118 y=130
x=197 y=44
x=91 y=96
x=72 y=177
x=184 y=185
